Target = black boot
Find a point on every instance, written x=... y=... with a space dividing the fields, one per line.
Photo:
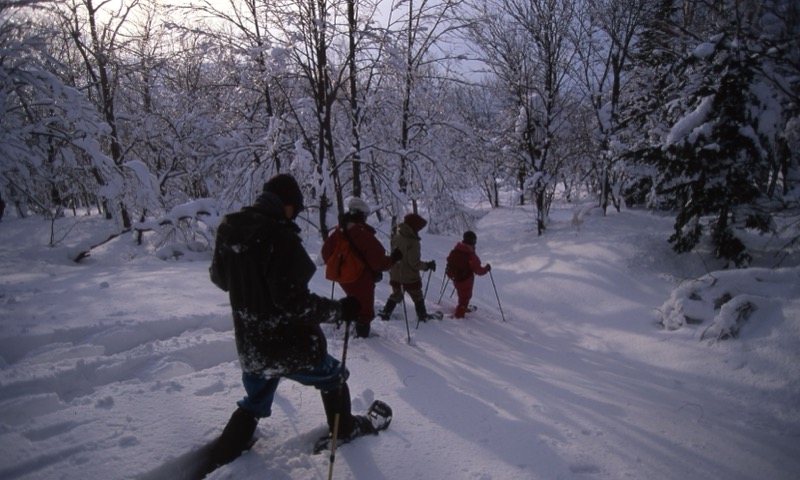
x=235 y=438
x=334 y=401
x=386 y=312
x=362 y=330
x=422 y=313
x=357 y=425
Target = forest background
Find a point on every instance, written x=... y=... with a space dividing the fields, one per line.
x=160 y=115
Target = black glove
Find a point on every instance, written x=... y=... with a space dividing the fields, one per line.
x=350 y=308
x=488 y=268
x=431 y=265
x=396 y=256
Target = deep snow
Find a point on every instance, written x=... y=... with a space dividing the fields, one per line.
x=121 y=365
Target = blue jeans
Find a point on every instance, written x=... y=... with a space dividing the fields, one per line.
x=260 y=390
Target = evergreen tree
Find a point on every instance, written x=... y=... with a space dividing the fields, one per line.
x=714 y=117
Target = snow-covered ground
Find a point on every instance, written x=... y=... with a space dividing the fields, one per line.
x=120 y=366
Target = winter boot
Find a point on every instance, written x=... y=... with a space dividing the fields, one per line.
x=334 y=402
x=422 y=313
x=462 y=310
x=362 y=425
x=386 y=312
x=362 y=330
x=235 y=439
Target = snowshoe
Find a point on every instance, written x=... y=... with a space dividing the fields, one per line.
x=380 y=415
x=433 y=316
x=423 y=315
x=378 y=418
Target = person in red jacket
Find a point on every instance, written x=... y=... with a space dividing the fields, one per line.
x=353 y=227
x=467 y=263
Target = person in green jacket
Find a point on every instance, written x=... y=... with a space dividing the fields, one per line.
x=404 y=275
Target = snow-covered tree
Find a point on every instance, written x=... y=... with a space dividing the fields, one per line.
x=99 y=33
x=530 y=48
x=48 y=130
x=413 y=120
x=609 y=34
x=717 y=118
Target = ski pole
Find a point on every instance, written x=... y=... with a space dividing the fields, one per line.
x=339 y=407
x=445 y=278
x=405 y=313
x=427 y=282
x=497 y=296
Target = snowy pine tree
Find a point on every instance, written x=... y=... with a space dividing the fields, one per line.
x=714 y=118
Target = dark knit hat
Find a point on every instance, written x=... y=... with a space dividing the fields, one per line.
x=414 y=221
x=470 y=238
x=286 y=188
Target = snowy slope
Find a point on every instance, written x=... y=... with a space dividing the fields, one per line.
x=120 y=366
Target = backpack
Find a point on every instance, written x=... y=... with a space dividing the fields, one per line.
x=344 y=265
x=458 y=268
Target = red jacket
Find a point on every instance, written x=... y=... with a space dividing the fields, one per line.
x=363 y=288
x=472 y=258
x=363 y=238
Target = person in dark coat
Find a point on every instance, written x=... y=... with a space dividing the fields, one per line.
x=260 y=261
x=353 y=228
x=464 y=285
x=404 y=275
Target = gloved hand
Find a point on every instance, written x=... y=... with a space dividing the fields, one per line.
x=431 y=265
x=396 y=256
x=350 y=308
x=488 y=268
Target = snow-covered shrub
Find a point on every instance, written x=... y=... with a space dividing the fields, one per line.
x=727 y=299
x=188 y=227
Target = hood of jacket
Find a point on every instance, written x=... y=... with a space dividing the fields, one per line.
x=405 y=230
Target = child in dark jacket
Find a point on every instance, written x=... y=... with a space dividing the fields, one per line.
x=259 y=259
x=470 y=265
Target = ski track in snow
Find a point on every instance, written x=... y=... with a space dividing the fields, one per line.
x=110 y=373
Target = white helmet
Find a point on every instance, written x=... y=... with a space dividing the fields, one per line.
x=356 y=205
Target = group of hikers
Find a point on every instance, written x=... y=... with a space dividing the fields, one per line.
x=404 y=265
x=260 y=261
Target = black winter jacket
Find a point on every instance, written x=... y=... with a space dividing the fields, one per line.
x=260 y=261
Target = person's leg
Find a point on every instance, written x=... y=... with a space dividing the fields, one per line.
x=240 y=428
x=367 y=299
x=363 y=290
x=464 y=289
x=362 y=328
x=395 y=298
x=235 y=438
x=415 y=292
x=260 y=393
x=327 y=378
x=388 y=308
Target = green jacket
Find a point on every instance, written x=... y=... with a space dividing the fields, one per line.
x=407 y=270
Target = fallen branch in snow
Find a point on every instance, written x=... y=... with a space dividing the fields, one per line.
x=732 y=314
x=154 y=224
x=81 y=254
